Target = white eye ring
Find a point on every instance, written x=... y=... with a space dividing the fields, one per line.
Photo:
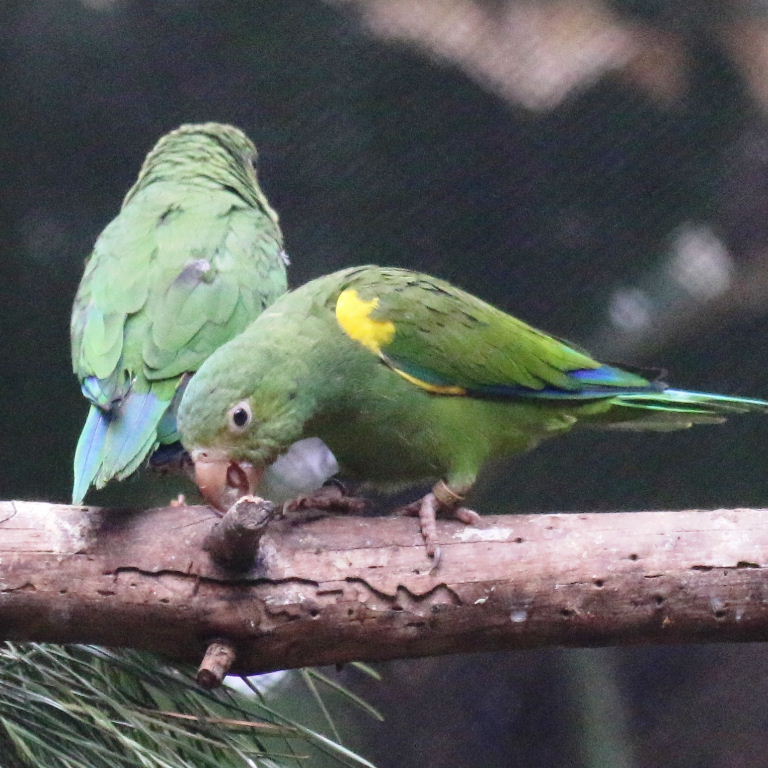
x=239 y=417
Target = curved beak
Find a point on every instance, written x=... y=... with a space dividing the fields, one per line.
x=223 y=481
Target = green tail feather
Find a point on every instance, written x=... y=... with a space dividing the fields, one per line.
x=676 y=409
x=682 y=401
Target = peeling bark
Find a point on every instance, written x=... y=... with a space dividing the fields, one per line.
x=335 y=589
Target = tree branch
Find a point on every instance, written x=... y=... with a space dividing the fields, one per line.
x=334 y=589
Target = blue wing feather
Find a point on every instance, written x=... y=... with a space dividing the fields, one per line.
x=588 y=383
x=625 y=388
x=593 y=383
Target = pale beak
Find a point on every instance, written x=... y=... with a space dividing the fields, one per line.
x=223 y=481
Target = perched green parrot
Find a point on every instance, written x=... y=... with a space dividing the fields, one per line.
x=407 y=378
x=194 y=256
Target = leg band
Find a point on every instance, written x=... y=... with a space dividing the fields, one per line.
x=445 y=495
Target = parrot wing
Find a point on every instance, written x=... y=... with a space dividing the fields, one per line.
x=447 y=341
x=234 y=268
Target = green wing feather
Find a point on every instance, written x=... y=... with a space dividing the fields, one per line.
x=231 y=269
x=446 y=337
x=448 y=341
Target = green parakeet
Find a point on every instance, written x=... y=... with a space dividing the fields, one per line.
x=407 y=378
x=193 y=256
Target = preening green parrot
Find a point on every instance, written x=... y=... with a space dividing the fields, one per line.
x=194 y=255
x=406 y=378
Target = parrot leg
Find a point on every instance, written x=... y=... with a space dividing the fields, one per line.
x=179 y=501
x=444 y=501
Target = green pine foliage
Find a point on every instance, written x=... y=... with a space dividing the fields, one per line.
x=89 y=707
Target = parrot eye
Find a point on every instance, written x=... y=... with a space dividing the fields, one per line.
x=239 y=417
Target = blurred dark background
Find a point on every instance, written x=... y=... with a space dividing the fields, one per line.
x=598 y=168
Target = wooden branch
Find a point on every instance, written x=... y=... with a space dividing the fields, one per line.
x=218 y=660
x=234 y=540
x=334 y=589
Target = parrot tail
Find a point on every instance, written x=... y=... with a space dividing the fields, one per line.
x=672 y=409
x=113 y=443
x=90 y=447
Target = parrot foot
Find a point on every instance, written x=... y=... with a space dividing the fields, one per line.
x=441 y=501
x=329 y=498
x=179 y=501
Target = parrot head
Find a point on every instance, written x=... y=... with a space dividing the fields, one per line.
x=206 y=140
x=235 y=430
x=197 y=151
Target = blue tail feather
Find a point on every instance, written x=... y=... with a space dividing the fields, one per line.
x=89 y=451
x=131 y=436
x=113 y=443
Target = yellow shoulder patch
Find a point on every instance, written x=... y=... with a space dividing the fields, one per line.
x=353 y=314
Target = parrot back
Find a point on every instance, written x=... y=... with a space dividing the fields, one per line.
x=179 y=272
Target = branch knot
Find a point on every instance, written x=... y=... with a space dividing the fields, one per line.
x=233 y=542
